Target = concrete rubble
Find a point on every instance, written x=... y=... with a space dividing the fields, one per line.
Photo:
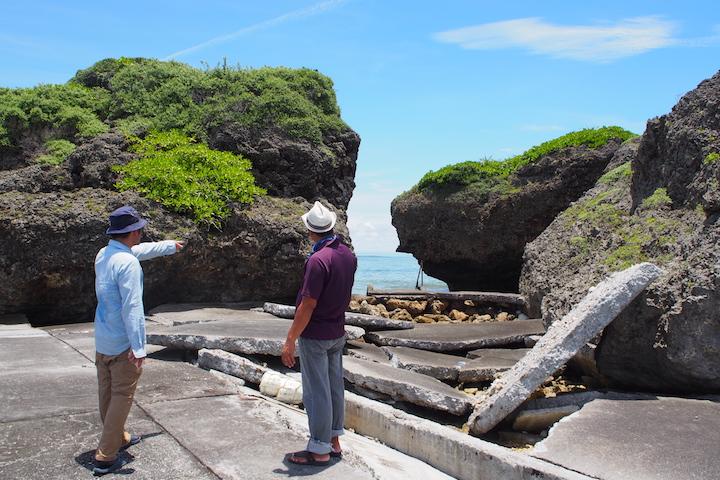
x=563 y=339
x=367 y=322
x=406 y=386
x=457 y=337
x=246 y=333
x=367 y=351
x=270 y=382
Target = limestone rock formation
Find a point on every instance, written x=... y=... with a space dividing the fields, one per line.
x=659 y=203
x=54 y=209
x=472 y=234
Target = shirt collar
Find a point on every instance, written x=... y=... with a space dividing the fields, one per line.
x=120 y=245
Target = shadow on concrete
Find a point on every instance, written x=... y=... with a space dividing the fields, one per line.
x=298 y=470
x=86 y=459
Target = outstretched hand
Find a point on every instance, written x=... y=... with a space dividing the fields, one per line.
x=288 y=354
x=179 y=246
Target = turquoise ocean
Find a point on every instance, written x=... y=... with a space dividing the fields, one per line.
x=390 y=270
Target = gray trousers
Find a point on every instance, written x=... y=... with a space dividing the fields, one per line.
x=323 y=390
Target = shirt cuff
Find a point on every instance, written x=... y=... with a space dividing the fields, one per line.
x=139 y=353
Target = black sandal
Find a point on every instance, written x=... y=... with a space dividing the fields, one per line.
x=335 y=454
x=309 y=459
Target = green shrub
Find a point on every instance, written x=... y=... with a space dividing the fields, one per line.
x=73 y=110
x=189 y=177
x=621 y=171
x=58 y=151
x=466 y=173
x=658 y=199
x=711 y=158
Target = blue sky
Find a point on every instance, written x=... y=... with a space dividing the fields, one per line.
x=424 y=83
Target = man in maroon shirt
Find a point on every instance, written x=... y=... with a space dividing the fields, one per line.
x=319 y=328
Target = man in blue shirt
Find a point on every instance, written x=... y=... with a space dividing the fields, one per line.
x=120 y=328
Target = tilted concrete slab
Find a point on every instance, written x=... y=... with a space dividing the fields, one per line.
x=669 y=438
x=433 y=364
x=451 y=367
x=461 y=336
x=254 y=333
x=367 y=351
x=406 y=386
x=445 y=448
x=488 y=363
x=368 y=322
x=563 y=339
x=63 y=447
x=172 y=314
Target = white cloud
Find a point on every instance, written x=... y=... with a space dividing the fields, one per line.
x=599 y=43
x=295 y=14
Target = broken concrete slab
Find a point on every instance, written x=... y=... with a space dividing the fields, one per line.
x=460 y=455
x=563 y=339
x=480 y=298
x=367 y=351
x=249 y=333
x=172 y=314
x=460 y=336
x=368 y=322
x=451 y=367
x=541 y=419
x=231 y=364
x=671 y=438
x=73 y=439
x=406 y=386
x=487 y=364
x=434 y=364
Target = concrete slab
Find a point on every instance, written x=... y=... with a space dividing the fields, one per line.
x=248 y=333
x=366 y=351
x=62 y=448
x=367 y=322
x=447 y=449
x=487 y=364
x=461 y=336
x=248 y=428
x=669 y=438
x=232 y=364
x=563 y=339
x=406 y=386
x=434 y=364
x=172 y=314
x=41 y=376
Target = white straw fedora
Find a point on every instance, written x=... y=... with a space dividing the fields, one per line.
x=319 y=219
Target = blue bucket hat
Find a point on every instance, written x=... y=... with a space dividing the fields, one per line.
x=125 y=220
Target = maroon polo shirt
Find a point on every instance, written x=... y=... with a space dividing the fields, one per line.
x=328 y=278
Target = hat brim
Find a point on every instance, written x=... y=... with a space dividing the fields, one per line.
x=316 y=228
x=130 y=228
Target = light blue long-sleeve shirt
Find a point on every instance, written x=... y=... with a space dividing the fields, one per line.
x=120 y=315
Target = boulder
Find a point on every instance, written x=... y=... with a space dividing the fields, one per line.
x=413 y=307
x=472 y=236
x=657 y=202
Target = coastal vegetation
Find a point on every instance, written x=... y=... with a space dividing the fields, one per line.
x=494 y=174
x=170 y=112
x=188 y=177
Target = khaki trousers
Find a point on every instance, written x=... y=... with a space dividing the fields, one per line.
x=117 y=380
